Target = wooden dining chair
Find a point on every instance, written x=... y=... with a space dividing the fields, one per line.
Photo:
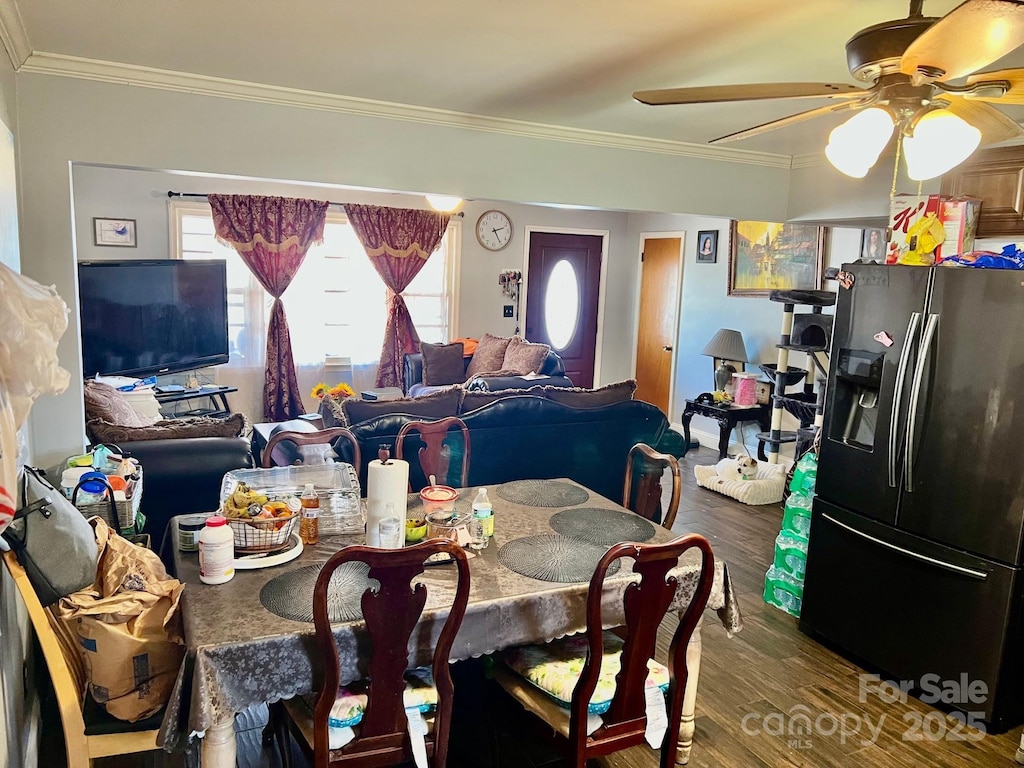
x=391 y=614
x=644 y=469
x=89 y=732
x=435 y=457
x=299 y=439
x=624 y=721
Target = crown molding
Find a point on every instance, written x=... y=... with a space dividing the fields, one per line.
x=183 y=82
x=810 y=160
x=13 y=34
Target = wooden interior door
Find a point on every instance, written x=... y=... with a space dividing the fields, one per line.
x=661 y=268
x=563 y=283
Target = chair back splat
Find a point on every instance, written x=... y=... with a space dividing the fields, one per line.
x=646 y=466
x=320 y=437
x=391 y=614
x=435 y=457
x=645 y=604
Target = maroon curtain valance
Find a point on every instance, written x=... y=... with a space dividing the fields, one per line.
x=398 y=241
x=272 y=235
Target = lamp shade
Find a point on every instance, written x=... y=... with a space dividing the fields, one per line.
x=727 y=344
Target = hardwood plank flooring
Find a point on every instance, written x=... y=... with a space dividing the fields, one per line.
x=750 y=684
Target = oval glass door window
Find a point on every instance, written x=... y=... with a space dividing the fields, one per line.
x=562 y=304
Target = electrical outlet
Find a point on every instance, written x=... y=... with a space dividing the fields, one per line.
x=508 y=310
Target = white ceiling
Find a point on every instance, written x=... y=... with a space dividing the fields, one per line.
x=554 y=62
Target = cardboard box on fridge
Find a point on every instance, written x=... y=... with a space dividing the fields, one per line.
x=914 y=222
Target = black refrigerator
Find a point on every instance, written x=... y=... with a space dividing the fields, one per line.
x=914 y=562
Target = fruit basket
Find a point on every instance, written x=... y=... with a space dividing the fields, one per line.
x=262 y=534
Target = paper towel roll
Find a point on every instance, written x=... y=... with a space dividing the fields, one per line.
x=385 y=484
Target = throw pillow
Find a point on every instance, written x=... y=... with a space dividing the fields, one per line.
x=524 y=357
x=577 y=397
x=471 y=400
x=332 y=412
x=103 y=401
x=102 y=431
x=443 y=364
x=434 y=406
x=489 y=355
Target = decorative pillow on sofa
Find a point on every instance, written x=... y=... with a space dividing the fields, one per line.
x=443 y=364
x=103 y=401
x=489 y=355
x=593 y=398
x=102 y=431
x=473 y=399
x=332 y=412
x=436 y=405
x=524 y=357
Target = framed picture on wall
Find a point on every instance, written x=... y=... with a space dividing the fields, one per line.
x=707 y=246
x=116 y=232
x=766 y=257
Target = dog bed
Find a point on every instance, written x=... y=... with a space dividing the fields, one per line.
x=766 y=488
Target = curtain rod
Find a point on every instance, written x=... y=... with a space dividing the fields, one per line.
x=171 y=194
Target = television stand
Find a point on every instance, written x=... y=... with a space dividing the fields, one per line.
x=217 y=397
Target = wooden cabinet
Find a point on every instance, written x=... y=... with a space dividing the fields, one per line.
x=996 y=176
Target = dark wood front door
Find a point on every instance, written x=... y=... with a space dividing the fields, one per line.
x=563 y=283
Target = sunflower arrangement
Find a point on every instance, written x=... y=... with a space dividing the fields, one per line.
x=338 y=391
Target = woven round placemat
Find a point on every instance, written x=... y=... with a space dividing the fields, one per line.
x=553 y=557
x=602 y=526
x=290 y=595
x=542 y=493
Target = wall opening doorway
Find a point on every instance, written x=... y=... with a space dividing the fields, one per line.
x=658 y=294
x=564 y=274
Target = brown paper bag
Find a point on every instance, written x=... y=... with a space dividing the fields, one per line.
x=128 y=628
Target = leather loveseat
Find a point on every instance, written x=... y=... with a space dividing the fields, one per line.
x=529 y=437
x=553 y=369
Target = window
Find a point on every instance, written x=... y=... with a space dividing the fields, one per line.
x=336 y=304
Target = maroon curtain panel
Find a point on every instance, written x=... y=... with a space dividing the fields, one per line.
x=398 y=241
x=272 y=235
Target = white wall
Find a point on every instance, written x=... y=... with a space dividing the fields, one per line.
x=65 y=120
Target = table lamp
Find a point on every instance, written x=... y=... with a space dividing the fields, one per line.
x=724 y=346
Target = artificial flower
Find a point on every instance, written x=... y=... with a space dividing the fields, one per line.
x=337 y=391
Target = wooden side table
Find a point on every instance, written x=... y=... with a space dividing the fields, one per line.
x=728 y=416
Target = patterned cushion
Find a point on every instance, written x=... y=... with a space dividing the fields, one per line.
x=350 y=704
x=579 y=397
x=489 y=355
x=524 y=357
x=103 y=401
x=443 y=364
x=436 y=405
x=555 y=669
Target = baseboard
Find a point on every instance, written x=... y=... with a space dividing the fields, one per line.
x=710 y=440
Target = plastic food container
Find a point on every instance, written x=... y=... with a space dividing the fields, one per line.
x=336 y=486
x=448 y=525
x=746 y=388
x=438 y=498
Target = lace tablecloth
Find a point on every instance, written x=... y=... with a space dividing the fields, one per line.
x=240 y=654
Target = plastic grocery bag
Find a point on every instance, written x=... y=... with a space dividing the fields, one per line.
x=127 y=628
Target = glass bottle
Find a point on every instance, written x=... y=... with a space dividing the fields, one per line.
x=309 y=526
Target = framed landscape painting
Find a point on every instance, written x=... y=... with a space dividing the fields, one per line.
x=766 y=257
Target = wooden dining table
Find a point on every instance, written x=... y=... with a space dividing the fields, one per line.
x=240 y=654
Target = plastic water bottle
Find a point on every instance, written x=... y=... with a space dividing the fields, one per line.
x=309 y=526
x=483 y=511
x=805 y=475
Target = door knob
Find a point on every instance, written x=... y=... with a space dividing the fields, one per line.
x=667 y=348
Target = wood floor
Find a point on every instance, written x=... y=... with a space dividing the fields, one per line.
x=757 y=678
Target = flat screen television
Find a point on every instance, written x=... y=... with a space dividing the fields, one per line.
x=140 y=318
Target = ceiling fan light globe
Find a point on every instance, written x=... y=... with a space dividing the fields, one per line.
x=846 y=162
x=444 y=203
x=940 y=142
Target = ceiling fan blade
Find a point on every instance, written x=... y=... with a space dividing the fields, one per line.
x=969 y=37
x=994 y=125
x=791 y=120
x=715 y=93
x=1015 y=78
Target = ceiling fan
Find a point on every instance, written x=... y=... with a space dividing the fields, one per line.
x=909 y=65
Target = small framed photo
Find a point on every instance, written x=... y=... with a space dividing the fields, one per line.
x=707 y=246
x=116 y=232
x=872 y=246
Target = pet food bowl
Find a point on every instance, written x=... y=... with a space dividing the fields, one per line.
x=793 y=375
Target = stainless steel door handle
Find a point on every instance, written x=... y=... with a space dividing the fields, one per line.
x=901 y=375
x=915 y=393
x=980 y=575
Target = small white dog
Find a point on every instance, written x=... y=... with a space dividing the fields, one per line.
x=740 y=468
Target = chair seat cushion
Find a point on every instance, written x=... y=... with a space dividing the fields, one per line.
x=555 y=668
x=98 y=722
x=420 y=694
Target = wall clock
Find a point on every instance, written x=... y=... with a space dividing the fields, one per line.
x=493 y=230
